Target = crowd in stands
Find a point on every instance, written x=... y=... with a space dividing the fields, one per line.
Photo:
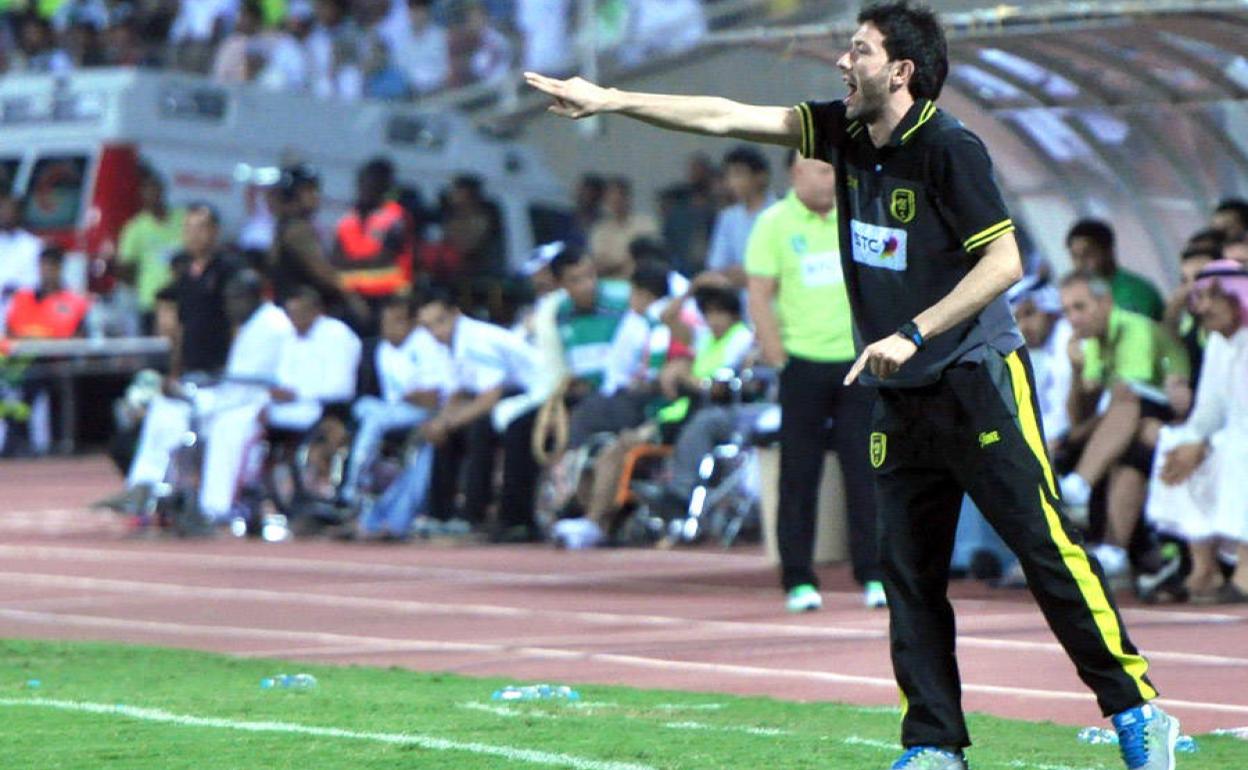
x=338 y=343
x=343 y=49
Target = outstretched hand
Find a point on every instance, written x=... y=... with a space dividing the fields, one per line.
x=575 y=98
x=883 y=358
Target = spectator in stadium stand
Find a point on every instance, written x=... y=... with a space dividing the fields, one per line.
x=204 y=267
x=1231 y=219
x=298 y=257
x=19 y=251
x=228 y=417
x=662 y=28
x=82 y=43
x=480 y=53
x=288 y=65
x=587 y=207
x=1178 y=318
x=544 y=27
x=1198 y=486
x=413 y=372
x=1145 y=372
x=748 y=177
x=1238 y=251
x=198 y=25
x=1037 y=306
x=37 y=49
x=472 y=227
x=229 y=64
x=315 y=382
x=382 y=78
x=800 y=308
x=147 y=243
x=488 y=363
x=688 y=214
x=50 y=311
x=618 y=226
x=1091 y=246
x=333 y=35
x=421 y=51
x=373 y=247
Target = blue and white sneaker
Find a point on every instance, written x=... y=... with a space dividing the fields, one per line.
x=930 y=758
x=1146 y=738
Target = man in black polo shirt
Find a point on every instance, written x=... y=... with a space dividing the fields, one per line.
x=201 y=271
x=928 y=252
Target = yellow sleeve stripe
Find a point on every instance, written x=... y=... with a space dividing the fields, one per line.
x=807 y=144
x=988 y=235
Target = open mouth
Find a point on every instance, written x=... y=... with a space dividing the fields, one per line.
x=851 y=90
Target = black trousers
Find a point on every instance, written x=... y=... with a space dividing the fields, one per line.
x=977 y=431
x=468 y=457
x=810 y=393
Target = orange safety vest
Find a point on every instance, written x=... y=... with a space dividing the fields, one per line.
x=360 y=244
x=55 y=316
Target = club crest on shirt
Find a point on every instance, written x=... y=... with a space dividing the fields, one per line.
x=879 y=449
x=903 y=206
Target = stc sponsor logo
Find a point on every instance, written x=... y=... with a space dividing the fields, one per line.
x=878 y=246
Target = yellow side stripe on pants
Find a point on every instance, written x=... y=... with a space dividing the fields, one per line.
x=1028 y=420
x=1076 y=560
x=1073 y=556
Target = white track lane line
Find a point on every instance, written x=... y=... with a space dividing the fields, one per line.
x=512 y=652
x=340 y=568
x=134 y=588
x=427 y=742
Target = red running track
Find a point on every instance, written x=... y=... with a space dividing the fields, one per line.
x=701 y=619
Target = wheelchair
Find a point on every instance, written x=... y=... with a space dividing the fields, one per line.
x=725 y=503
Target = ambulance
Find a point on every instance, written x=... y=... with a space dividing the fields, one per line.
x=71 y=148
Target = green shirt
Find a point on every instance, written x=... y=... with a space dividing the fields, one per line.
x=587 y=335
x=801 y=250
x=1136 y=349
x=712 y=355
x=1136 y=293
x=149 y=243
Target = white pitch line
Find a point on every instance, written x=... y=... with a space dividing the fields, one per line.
x=768 y=732
x=503 y=711
x=634 y=661
x=428 y=742
x=855 y=740
x=131 y=588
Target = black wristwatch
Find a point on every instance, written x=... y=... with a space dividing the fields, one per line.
x=910 y=331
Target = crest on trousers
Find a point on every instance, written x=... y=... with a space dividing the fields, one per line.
x=879 y=449
x=902 y=207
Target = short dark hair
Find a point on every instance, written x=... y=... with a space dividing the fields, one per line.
x=1201 y=251
x=745 y=155
x=431 y=296
x=710 y=298
x=307 y=294
x=52 y=253
x=651 y=275
x=247 y=282
x=570 y=257
x=1238 y=206
x=399 y=302
x=381 y=167
x=647 y=247
x=622 y=183
x=205 y=207
x=1096 y=230
x=913 y=32
x=1207 y=237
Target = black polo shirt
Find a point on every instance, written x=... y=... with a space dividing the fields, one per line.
x=200 y=295
x=915 y=215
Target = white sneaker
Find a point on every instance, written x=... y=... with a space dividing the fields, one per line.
x=1076 y=493
x=873 y=595
x=803 y=598
x=1112 y=558
x=576 y=534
